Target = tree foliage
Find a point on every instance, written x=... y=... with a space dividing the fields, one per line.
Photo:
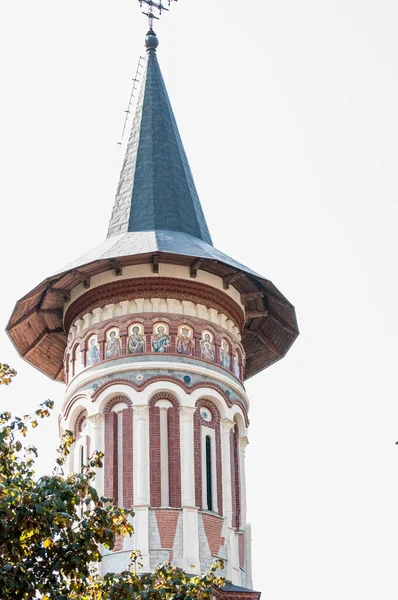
x=52 y=528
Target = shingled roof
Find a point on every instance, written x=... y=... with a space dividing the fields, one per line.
x=157 y=218
x=156 y=189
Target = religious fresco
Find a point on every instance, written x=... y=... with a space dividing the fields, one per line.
x=77 y=361
x=235 y=365
x=185 y=343
x=93 y=351
x=207 y=351
x=112 y=349
x=160 y=339
x=225 y=359
x=136 y=339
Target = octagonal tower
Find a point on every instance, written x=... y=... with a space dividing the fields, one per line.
x=154 y=333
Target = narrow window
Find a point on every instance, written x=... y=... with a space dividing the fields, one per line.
x=81 y=458
x=209 y=474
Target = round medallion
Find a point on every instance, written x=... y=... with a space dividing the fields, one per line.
x=205 y=414
x=187 y=379
x=139 y=377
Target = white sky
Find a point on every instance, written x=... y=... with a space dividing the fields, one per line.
x=288 y=112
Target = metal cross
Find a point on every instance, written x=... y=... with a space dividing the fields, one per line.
x=154 y=6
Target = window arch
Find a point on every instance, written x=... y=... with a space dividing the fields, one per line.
x=165 y=461
x=82 y=442
x=207 y=448
x=119 y=451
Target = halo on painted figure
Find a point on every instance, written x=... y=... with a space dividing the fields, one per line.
x=92 y=351
x=225 y=359
x=207 y=350
x=185 y=343
x=136 y=339
x=112 y=349
x=161 y=338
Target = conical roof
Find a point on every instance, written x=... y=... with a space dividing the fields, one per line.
x=157 y=218
x=156 y=189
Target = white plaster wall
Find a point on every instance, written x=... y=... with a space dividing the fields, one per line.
x=90 y=375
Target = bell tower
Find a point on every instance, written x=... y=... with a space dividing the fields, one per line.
x=154 y=333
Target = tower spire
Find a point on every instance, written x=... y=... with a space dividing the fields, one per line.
x=156 y=190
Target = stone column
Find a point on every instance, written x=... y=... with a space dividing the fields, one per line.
x=190 y=513
x=95 y=429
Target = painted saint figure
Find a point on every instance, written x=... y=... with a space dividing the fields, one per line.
x=185 y=344
x=224 y=355
x=136 y=343
x=93 y=355
x=113 y=346
x=235 y=363
x=160 y=341
x=207 y=348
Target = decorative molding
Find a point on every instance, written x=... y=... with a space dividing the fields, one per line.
x=226 y=426
x=181 y=384
x=159 y=287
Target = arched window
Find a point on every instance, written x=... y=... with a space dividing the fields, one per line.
x=164 y=439
x=209 y=475
x=207 y=447
x=82 y=442
x=119 y=451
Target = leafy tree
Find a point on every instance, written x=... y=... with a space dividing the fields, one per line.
x=52 y=528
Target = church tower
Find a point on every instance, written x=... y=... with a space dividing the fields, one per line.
x=154 y=333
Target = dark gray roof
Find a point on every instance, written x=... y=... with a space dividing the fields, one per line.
x=230 y=587
x=144 y=242
x=156 y=189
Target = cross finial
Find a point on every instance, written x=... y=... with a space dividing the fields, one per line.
x=152 y=6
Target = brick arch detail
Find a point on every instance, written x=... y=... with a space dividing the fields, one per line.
x=164 y=396
x=113 y=431
x=174 y=451
x=114 y=324
x=71 y=403
x=82 y=416
x=181 y=384
x=214 y=424
x=85 y=336
x=116 y=400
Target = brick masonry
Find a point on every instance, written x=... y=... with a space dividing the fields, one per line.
x=173 y=424
x=235 y=476
x=112 y=468
x=213 y=528
x=213 y=424
x=167 y=524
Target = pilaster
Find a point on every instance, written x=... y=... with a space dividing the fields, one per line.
x=191 y=561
